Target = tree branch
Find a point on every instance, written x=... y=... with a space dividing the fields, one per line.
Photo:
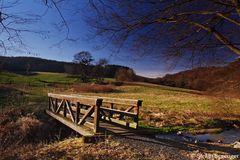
x=218 y=36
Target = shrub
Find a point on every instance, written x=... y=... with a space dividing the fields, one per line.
x=117 y=83
x=26 y=129
x=95 y=88
x=125 y=75
x=30 y=128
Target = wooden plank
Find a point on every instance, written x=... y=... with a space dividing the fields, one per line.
x=136 y=110
x=129 y=114
x=82 y=111
x=51 y=104
x=129 y=109
x=65 y=110
x=60 y=106
x=55 y=105
x=126 y=124
x=112 y=128
x=80 y=129
x=83 y=100
x=77 y=116
x=87 y=124
x=89 y=112
x=96 y=118
x=70 y=110
x=122 y=101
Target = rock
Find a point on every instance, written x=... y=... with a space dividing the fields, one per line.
x=220 y=141
x=236 y=144
x=179 y=133
x=235 y=126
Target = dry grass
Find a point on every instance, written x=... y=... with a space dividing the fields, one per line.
x=168 y=106
x=24 y=130
x=94 y=88
x=74 y=148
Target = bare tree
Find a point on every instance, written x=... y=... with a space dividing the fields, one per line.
x=125 y=75
x=83 y=59
x=99 y=70
x=193 y=29
x=14 y=25
x=102 y=62
x=28 y=67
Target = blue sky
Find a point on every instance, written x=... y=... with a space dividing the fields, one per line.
x=44 y=47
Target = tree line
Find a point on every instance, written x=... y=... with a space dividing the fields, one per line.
x=81 y=67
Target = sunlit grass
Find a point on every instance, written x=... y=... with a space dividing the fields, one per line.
x=162 y=105
x=153 y=96
x=176 y=100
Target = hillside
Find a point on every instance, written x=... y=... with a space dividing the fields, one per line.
x=218 y=80
x=33 y=64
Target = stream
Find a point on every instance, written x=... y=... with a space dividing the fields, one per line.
x=227 y=137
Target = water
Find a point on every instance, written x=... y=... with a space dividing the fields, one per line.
x=228 y=136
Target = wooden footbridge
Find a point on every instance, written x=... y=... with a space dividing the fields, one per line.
x=92 y=115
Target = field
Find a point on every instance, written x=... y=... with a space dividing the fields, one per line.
x=162 y=106
x=24 y=125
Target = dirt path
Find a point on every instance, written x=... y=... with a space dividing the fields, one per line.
x=167 y=149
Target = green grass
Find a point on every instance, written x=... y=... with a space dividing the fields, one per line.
x=37 y=79
x=178 y=104
x=154 y=130
x=167 y=98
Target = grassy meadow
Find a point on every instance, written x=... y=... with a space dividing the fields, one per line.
x=26 y=132
x=163 y=106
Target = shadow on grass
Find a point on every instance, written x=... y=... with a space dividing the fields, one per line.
x=23 y=73
x=188 y=146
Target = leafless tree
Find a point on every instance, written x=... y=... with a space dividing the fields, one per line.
x=83 y=60
x=193 y=29
x=99 y=69
x=125 y=75
x=13 y=25
x=28 y=67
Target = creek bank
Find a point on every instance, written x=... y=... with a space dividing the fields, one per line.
x=226 y=137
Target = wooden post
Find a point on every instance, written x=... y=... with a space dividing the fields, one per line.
x=56 y=105
x=97 y=115
x=77 y=113
x=49 y=103
x=136 y=110
x=110 y=114
x=65 y=109
x=96 y=118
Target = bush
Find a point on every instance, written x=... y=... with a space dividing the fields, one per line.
x=125 y=75
x=30 y=128
x=117 y=83
x=26 y=129
x=95 y=88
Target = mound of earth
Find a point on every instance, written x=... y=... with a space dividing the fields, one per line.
x=218 y=80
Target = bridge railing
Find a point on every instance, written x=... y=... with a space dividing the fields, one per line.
x=117 y=110
x=78 y=111
x=70 y=107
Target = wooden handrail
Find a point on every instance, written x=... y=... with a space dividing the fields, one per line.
x=132 y=111
x=122 y=101
x=62 y=105
x=83 y=100
x=87 y=111
x=129 y=114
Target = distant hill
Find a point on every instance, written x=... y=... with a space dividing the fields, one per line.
x=220 y=80
x=20 y=64
x=33 y=64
